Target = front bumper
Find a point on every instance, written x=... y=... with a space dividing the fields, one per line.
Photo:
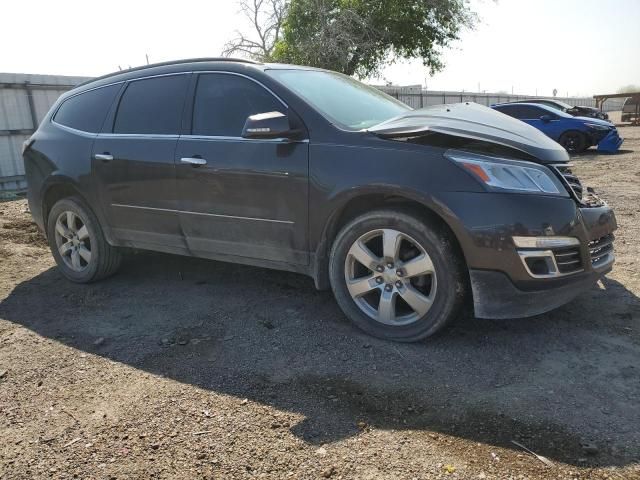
x=495 y=296
x=610 y=143
x=502 y=286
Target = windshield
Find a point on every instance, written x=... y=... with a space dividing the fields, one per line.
x=344 y=101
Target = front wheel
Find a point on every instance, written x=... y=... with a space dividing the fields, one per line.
x=395 y=276
x=573 y=142
x=78 y=244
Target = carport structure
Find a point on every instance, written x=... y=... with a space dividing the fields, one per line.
x=600 y=99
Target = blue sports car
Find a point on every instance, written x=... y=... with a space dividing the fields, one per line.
x=575 y=134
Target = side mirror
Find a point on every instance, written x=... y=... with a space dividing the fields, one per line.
x=267 y=125
x=546 y=118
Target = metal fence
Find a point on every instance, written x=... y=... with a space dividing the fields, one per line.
x=417 y=97
x=24 y=100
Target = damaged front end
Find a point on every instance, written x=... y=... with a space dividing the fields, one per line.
x=611 y=142
x=472 y=122
x=535 y=238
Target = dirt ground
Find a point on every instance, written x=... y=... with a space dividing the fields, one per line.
x=184 y=368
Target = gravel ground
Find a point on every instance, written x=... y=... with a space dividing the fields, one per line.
x=185 y=368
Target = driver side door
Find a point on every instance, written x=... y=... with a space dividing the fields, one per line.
x=551 y=126
x=244 y=198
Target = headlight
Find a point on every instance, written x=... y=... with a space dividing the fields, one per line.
x=505 y=174
x=597 y=127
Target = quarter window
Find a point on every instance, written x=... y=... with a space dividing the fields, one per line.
x=152 y=106
x=223 y=102
x=87 y=111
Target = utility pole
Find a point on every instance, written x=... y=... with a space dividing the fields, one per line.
x=147 y=57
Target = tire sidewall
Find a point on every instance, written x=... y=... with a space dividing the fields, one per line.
x=581 y=145
x=75 y=206
x=435 y=243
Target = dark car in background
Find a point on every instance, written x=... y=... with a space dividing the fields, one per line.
x=403 y=213
x=576 y=111
x=575 y=134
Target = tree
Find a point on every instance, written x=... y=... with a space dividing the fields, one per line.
x=629 y=89
x=266 y=18
x=361 y=36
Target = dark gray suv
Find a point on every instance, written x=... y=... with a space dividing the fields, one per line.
x=403 y=213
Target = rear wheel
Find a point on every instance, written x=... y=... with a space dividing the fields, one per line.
x=78 y=244
x=573 y=141
x=395 y=277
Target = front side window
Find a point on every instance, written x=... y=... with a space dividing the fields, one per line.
x=344 y=101
x=223 y=102
x=86 y=111
x=152 y=106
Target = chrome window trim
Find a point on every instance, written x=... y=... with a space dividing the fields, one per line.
x=83 y=133
x=159 y=136
x=170 y=136
x=224 y=72
x=236 y=217
x=228 y=138
x=158 y=75
x=71 y=129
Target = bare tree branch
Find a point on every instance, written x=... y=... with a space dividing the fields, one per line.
x=266 y=18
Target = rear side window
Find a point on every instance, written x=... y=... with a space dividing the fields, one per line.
x=223 y=102
x=87 y=111
x=152 y=106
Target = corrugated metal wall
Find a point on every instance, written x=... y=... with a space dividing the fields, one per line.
x=416 y=97
x=24 y=100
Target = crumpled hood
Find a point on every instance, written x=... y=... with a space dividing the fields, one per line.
x=474 y=121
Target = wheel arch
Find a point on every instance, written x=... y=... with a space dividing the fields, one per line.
x=360 y=202
x=63 y=187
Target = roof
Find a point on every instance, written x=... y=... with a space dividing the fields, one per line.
x=170 y=63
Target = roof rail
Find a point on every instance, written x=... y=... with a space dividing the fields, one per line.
x=171 y=62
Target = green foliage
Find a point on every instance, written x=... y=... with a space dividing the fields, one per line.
x=361 y=36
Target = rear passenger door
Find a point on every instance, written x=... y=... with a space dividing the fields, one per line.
x=244 y=197
x=133 y=162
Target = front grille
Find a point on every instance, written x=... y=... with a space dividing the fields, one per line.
x=586 y=196
x=568 y=260
x=601 y=250
x=571 y=181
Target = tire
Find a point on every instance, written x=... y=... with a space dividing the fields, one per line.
x=78 y=244
x=438 y=295
x=573 y=141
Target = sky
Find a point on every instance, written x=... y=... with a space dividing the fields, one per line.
x=580 y=47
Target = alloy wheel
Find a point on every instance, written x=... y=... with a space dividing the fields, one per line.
x=571 y=142
x=73 y=241
x=390 y=277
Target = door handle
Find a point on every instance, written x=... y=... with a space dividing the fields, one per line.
x=195 y=161
x=105 y=157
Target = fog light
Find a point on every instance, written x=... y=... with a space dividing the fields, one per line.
x=537 y=265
